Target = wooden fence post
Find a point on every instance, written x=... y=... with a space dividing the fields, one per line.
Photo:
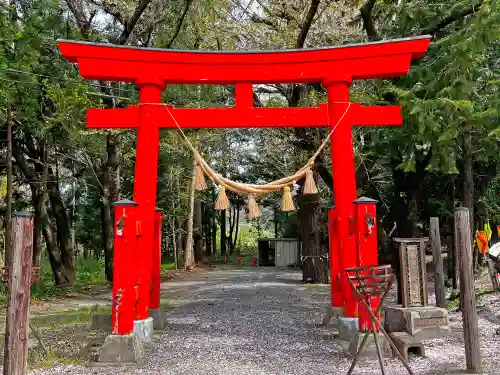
x=467 y=290
x=19 y=282
x=437 y=262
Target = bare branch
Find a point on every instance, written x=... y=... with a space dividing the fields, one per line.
x=455 y=16
x=256 y=19
x=304 y=30
x=129 y=26
x=76 y=8
x=179 y=24
x=111 y=9
x=366 y=12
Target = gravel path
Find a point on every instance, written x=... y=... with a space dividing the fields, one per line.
x=256 y=322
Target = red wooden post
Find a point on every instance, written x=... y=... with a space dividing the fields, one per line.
x=343 y=171
x=365 y=219
x=335 y=287
x=125 y=255
x=19 y=282
x=145 y=179
x=154 y=300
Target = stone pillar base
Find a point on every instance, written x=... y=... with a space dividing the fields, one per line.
x=143 y=329
x=120 y=350
x=422 y=323
x=407 y=344
x=332 y=314
x=159 y=317
x=370 y=350
x=101 y=322
x=348 y=327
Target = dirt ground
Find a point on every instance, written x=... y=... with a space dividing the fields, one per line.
x=258 y=321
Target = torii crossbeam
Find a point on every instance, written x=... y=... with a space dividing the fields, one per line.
x=334 y=67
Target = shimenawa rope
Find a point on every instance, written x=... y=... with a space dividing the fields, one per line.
x=255 y=189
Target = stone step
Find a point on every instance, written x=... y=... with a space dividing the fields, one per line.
x=407 y=344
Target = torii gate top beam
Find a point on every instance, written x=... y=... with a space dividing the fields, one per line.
x=357 y=61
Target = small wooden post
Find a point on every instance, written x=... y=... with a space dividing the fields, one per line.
x=437 y=262
x=19 y=282
x=467 y=291
x=493 y=275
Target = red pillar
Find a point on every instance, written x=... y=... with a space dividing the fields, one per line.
x=125 y=252
x=154 y=299
x=145 y=179
x=344 y=177
x=365 y=218
x=335 y=288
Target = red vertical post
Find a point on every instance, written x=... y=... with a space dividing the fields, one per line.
x=335 y=287
x=365 y=219
x=145 y=179
x=125 y=252
x=154 y=298
x=344 y=177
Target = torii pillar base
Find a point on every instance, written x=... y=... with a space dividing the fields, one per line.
x=332 y=316
x=159 y=317
x=348 y=328
x=120 y=350
x=143 y=329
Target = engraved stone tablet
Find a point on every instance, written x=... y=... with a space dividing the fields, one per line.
x=413 y=275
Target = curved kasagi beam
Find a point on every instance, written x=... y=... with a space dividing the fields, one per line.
x=358 y=61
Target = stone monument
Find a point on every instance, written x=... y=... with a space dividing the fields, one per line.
x=415 y=317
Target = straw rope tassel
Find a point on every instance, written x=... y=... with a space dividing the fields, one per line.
x=310 y=186
x=253 y=207
x=201 y=184
x=222 y=202
x=287 y=200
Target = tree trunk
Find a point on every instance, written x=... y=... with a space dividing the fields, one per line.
x=207 y=228
x=469 y=184
x=8 y=220
x=229 y=238
x=315 y=266
x=55 y=262
x=179 y=242
x=61 y=274
x=275 y=217
x=63 y=229
x=214 y=225
x=113 y=195
x=237 y=228
x=38 y=199
x=223 y=240
x=189 y=259
x=198 y=231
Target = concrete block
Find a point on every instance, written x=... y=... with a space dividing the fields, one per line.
x=407 y=344
x=143 y=329
x=120 y=349
x=423 y=323
x=370 y=350
x=348 y=327
x=101 y=322
x=332 y=315
x=159 y=317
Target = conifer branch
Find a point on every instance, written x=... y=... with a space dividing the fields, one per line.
x=453 y=17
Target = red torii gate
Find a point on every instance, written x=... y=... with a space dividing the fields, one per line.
x=335 y=67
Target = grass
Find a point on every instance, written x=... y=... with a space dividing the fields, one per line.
x=89 y=277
